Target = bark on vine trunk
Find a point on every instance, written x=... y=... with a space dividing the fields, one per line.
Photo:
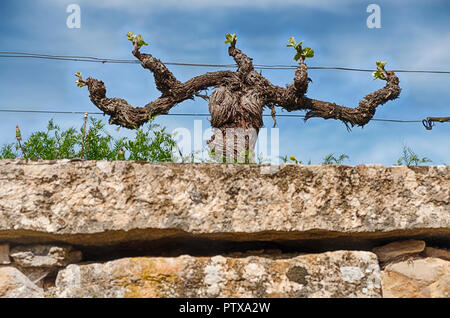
x=237 y=103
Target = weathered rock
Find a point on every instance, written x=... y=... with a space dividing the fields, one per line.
x=393 y=250
x=14 y=284
x=38 y=275
x=331 y=274
x=437 y=252
x=428 y=277
x=100 y=202
x=4 y=254
x=44 y=256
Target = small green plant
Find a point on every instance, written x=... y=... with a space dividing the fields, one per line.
x=151 y=143
x=286 y=159
x=19 y=138
x=331 y=159
x=293 y=159
x=98 y=144
x=410 y=158
x=50 y=144
x=307 y=52
x=7 y=152
x=192 y=157
x=261 y=160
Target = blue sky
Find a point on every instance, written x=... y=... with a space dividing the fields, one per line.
x=413 y=35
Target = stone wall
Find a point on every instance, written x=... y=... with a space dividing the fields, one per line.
x=73 y=228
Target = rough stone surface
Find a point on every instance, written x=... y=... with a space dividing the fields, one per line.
x=393 y=250
x=115 y=210
x=437 y=252
x=4 y=254
x=37 y=275
x=45 y=256
x=417 y=278
x=118 y=201
x=331 y=274
x=14 y=284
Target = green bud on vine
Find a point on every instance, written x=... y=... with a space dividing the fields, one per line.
x=379 y=74
x=301 y=53
x=136 y=38
x=130 y=36
x=294 y=44
x=231 y=38
x=18 y=134
x=381 y=64
x=140 y=41
x=80 y=83
x=121 y=155
x=307 y=52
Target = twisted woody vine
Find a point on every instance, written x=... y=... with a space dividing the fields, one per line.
x=239 y=98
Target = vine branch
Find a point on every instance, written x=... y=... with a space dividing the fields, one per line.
x=246 y=83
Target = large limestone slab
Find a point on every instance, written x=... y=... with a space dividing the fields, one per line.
x=77 y=201
x=331 y=274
